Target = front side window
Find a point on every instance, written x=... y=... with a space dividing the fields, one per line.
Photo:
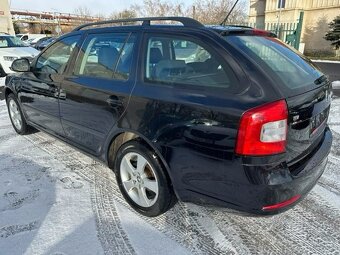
x=106 y=56
x=54 y=60
x=173 y=60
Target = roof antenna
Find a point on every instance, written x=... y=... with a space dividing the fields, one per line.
x=226 y=18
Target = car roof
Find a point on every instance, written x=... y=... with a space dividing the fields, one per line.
x=146 y=23
x=189 y=23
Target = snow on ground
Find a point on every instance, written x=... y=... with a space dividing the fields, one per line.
x=55 y=200
x=44 y=207
x=336 y=85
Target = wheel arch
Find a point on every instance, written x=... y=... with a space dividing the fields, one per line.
x=7 y=92
x=124 y=136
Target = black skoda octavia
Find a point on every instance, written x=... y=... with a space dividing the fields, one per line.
x=228 y=116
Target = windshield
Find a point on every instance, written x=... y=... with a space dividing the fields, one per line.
x=10 y=41
x=294 y=70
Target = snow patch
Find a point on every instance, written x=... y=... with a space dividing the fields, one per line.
x=336 y=84
x=45 y=208
x=144 y=237
x=2 y=81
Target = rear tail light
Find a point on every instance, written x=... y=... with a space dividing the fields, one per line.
x=263 y=130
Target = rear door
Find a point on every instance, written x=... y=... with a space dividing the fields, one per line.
x=306 y=90
x=96 y=92
x=187 y=105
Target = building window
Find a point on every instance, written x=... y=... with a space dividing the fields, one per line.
x=281 y=4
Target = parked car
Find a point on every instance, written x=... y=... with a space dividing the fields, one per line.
x=40 y=41
x=45 y=43
x=229 y=116
x=25 y=37
x=12 y=48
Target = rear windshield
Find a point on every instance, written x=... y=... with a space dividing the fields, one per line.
x=295 y=72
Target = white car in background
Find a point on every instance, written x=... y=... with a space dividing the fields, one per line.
x=12 y=48
x=25 y=37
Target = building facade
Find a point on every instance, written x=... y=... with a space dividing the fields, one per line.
x=6 y=24
x=317 y=15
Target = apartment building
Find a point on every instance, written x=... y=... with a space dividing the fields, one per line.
x=317 y=15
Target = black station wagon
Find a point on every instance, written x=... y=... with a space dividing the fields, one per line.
x=222 y=115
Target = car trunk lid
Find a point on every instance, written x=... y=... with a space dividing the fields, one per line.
x=308 y=115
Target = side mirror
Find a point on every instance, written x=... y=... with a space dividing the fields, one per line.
x=21 y=65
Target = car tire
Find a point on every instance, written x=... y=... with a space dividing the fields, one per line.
x=143 y=180
x=16 y=116
x=2 y=72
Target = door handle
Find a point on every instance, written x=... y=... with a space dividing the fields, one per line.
x=114 y=102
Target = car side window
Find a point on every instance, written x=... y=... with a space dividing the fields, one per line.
x=54 y=60
x=3 y=43
x=172 y=60
x=107 y=55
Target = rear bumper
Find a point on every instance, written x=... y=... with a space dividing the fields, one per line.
x=261 y=186
x=300 y=184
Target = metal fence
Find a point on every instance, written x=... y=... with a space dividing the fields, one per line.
x=289 y=32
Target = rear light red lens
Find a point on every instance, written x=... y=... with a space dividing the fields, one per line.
x=263 y=130
x=261 y=32
x=282 y=204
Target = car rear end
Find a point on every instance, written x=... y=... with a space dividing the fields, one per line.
x=281 y=146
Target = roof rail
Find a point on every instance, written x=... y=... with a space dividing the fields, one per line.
x=187 y=22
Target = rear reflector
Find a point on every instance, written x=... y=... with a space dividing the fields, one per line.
x=282 y=204
x=263 y=130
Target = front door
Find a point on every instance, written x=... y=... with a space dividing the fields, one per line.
x=39 y=90
x=96 y=93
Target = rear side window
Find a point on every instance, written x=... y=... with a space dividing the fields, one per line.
x=177 y=60
x=106 y=56
x=294 y=70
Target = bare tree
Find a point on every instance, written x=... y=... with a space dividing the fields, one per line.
x=206 y=11
x=84 y=13
x=214 y=11
x=159 y=8
x=125 y=14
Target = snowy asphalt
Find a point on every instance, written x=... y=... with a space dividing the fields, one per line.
x=55 y=200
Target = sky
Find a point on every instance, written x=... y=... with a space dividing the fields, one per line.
x=105 y=7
